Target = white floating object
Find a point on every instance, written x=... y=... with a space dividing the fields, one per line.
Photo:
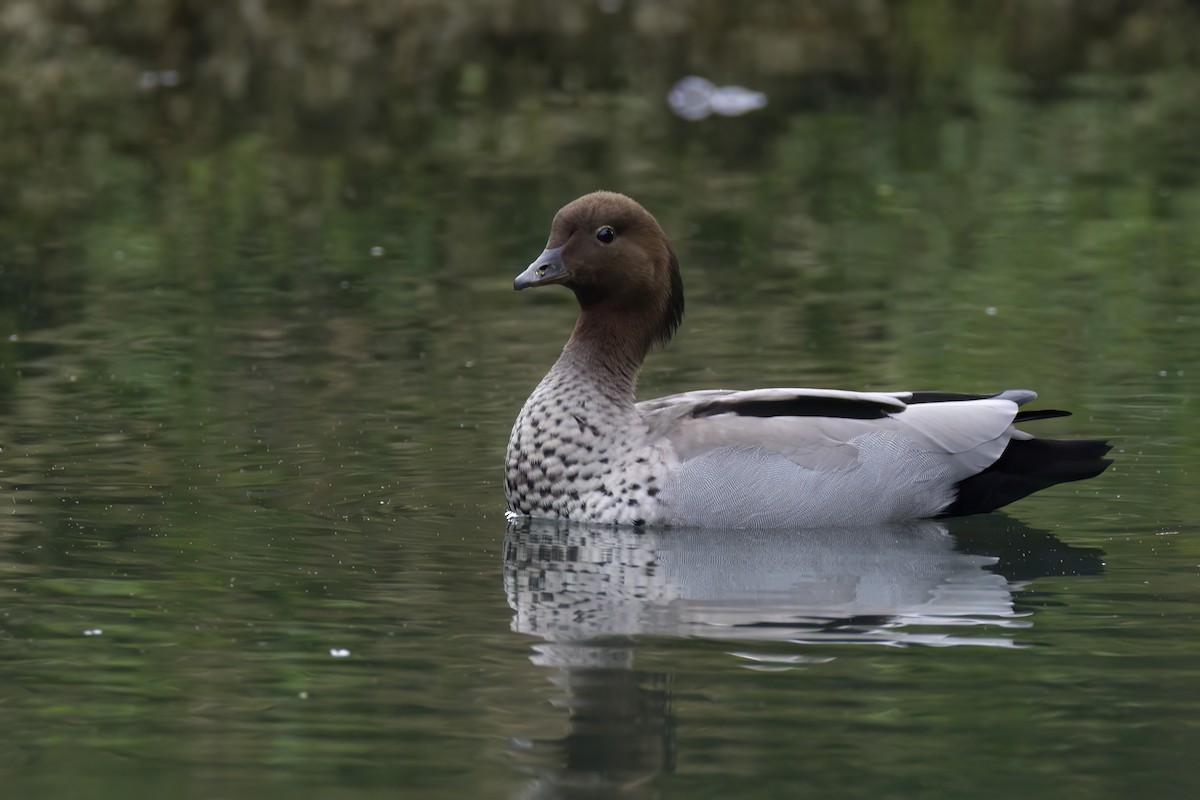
x=339 y=652
x=733 y=101
x=695 y=98
x=93 y=632
x=689 y=97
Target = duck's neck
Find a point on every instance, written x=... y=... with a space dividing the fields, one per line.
x=608 y=348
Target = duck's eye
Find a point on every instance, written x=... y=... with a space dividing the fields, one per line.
x=606 y=235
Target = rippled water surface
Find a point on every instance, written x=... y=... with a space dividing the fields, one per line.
x=259 y=355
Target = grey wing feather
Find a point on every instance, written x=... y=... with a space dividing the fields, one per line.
x=767 y=470
x=957 y=427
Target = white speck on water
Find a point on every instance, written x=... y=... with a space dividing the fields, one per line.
x=12 y=337
x=377 y=251
x=339 y=652
x=344 y=285
x=468 y=364
x=1162 y=373
x=93 y=632
x=990 y=311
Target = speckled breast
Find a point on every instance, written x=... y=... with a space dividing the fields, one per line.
x=567 y=459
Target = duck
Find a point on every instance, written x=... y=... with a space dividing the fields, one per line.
x=584 y=449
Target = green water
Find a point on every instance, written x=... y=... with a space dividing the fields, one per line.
x=259 y=355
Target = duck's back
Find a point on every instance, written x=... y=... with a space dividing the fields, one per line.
x=787 y=457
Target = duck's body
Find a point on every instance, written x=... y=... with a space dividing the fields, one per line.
x=583 y=449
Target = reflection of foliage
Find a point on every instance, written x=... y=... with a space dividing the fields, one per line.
x=286 y=115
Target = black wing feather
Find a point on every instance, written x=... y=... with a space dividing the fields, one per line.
x=798 y=406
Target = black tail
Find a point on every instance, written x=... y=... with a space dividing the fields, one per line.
x=1027 y=466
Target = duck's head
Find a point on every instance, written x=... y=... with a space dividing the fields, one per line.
x=613 y=255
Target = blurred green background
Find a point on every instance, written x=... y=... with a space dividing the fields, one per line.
x=259 y=356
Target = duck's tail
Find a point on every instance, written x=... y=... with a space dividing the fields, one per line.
x=1027 y=466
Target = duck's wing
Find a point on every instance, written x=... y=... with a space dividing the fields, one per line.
x=820 y=428
x=782 y=457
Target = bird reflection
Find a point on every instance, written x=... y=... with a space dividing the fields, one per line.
x=777 y=598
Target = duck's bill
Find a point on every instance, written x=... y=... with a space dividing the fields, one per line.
x=546 y=268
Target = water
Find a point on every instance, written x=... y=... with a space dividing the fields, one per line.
x=259 y=355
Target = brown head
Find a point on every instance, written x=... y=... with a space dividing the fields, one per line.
x=613 y=255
